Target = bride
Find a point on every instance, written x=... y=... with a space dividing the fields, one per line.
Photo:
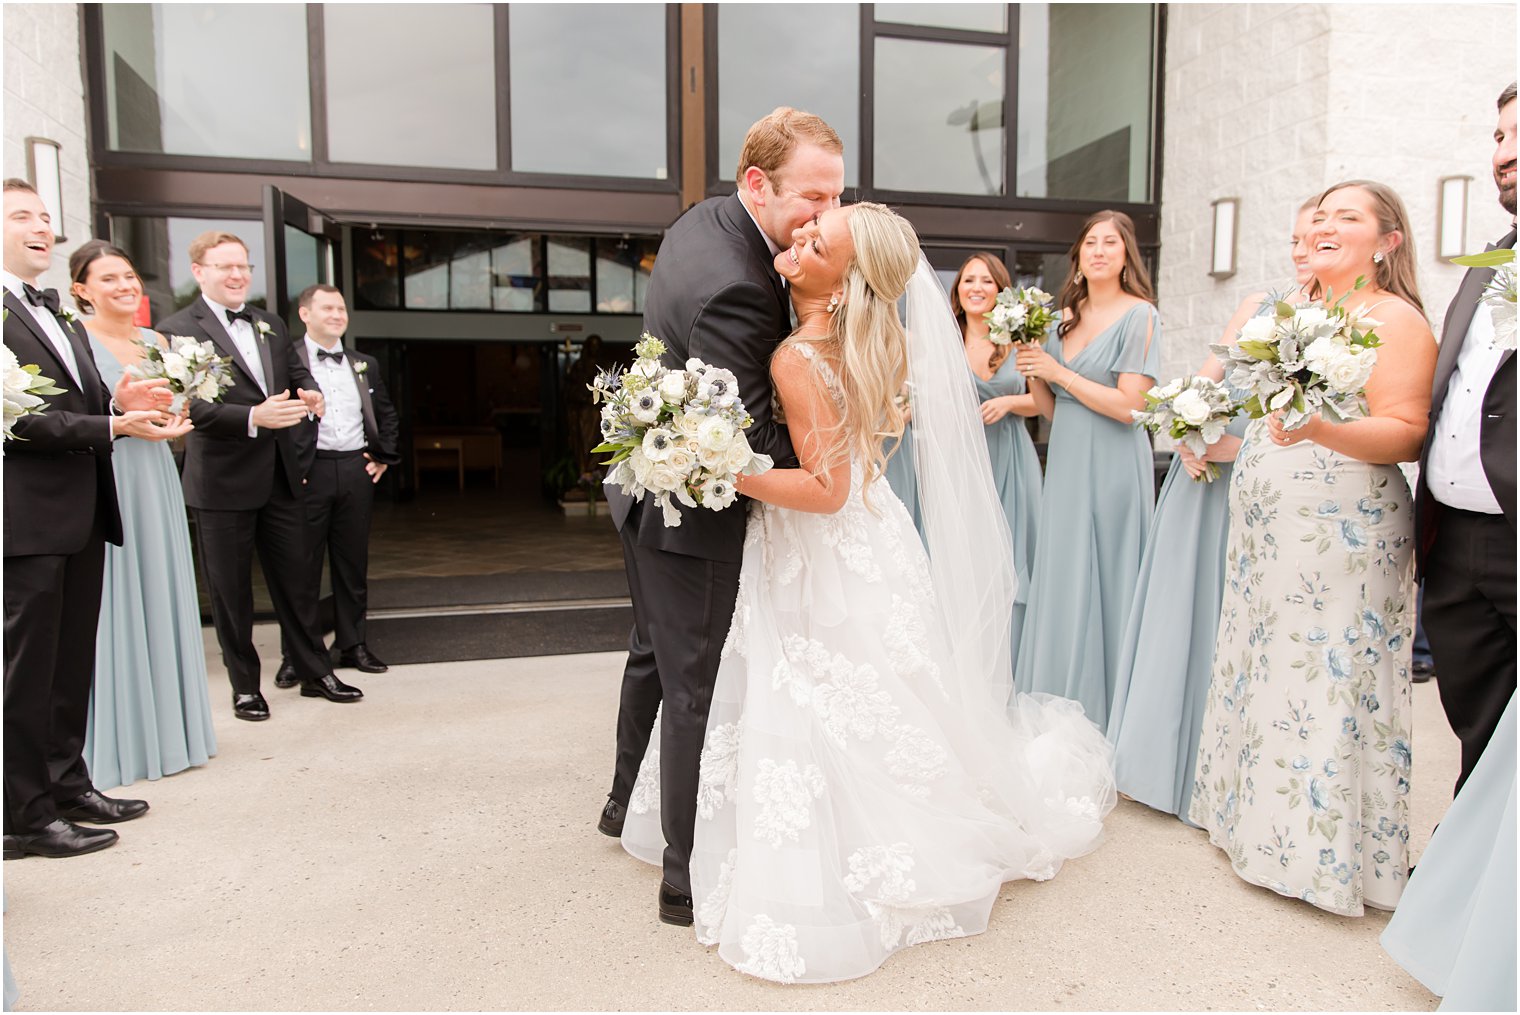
x=863 y=786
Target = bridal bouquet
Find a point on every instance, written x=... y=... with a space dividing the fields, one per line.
x=193 y=369
x=24 y=388
x=1500 y=293
x=674 y=433
x=1305 y=360
x=1020 y=315
x=1193 y=411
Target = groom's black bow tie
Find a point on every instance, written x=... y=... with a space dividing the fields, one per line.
x=42 y=297
x=234 y=316
x=336 y=357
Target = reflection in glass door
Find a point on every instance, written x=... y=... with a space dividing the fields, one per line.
x=303 y=245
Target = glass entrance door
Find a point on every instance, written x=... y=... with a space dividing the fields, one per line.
x=304 y=247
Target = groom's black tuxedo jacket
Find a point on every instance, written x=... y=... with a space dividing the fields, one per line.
x=225 y=469
x=1496 y=441
x=715 y=295
x=58 y=476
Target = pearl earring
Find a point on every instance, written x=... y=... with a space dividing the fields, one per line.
x=1377 y=258
x=833 y=303
x=1123 y=276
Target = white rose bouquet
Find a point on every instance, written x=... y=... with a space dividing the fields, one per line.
x=1020 y=315
x=1310 y=359
x=1500 y=293
x=193 y=369
x=24 y=388
x=674 y=433
x=1193 y=411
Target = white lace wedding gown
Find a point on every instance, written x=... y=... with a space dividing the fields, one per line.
x=851 y=800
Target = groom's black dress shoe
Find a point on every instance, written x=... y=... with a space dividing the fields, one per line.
x=675 y=907
x=612 y=819
x=285 y=676
x=61 y=838
x=252 y=707
x=330 y=687
x=101 y=810
x=362 y=659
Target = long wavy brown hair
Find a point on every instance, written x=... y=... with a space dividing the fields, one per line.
x=1396 y=273
x=1134 y=279
x=1000 y=278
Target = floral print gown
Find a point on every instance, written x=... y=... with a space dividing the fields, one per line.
x=1303 y=766
x=850 y=801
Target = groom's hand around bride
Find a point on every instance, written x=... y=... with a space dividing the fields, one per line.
x=279 y=411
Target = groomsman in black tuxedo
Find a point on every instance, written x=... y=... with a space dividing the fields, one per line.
x=715 y=295
x=1465 y=499
x=343 y=456
x=243 y=476
x=60 y=508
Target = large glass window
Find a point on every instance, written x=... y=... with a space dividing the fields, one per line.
x=411 y=84
x=224 y=80
x=968 y=17
x=939 y=117
x=1085 y=90
x=588 y=89
x=622 y=274
x=569 y=275
x=821 y=73
x=160 y=251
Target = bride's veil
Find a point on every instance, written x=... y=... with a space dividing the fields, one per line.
x=964 y=528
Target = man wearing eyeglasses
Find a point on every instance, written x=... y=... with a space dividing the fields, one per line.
x=243 y=476
x=715 y=295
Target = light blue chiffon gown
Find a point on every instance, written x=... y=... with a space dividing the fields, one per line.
x=150 y=709
x=1167 y=656
x=1454 y=928
x=1099 y=484
x=1016 y=474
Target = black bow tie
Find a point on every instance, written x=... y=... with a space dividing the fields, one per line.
x=336 y=357
x=42 y=297
x=239 y=315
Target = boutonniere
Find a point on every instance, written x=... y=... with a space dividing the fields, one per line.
x=1500 y=293
x=361 y=367
x=263 y=328
x=68 y=315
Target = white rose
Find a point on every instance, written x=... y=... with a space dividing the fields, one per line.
x=1350 y=372
x=685 y=425
x=673 y=387
x=1191 y=407
x=712 y=458
x=658 y=443
x=663 y=477
x=1168 y=391
x=646 y=368
x=1258 y=329
x=680 y=459
x=1321 y=353
x=641 y=466
x=715 y=433
x=1309 y=318
x=738 y=454
x=207 y=390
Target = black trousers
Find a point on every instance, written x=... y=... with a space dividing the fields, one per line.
x=52 y=605
x=1469 y=614
x=682 y=607
x=228 y=540
x=339 y=502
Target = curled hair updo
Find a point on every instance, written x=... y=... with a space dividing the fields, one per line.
x=81 y=260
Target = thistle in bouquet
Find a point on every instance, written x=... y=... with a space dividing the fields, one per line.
x=677 y=435
x=1020 y=316
x=1313 y=359
x=25 y=387
x=193 y=369
x=1499 y=294
x=1193 y=411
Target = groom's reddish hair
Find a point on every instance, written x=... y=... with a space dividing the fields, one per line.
x=771 y=141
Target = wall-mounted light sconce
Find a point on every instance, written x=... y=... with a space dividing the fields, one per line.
x=45 y=169
x=1226 y=223
x=1451 y=216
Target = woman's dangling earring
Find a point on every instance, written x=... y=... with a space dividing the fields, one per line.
x=1079 y=276
x=833 y=303
x=1377 y=258
x=1123 y=276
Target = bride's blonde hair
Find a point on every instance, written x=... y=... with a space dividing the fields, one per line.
x=866 y=338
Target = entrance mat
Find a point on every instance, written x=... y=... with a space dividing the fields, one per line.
x=444 y=638
x=482 y=589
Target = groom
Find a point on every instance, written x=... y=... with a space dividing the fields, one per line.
x=714 y=295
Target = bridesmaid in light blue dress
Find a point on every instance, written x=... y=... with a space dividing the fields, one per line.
x=1168 y=650
x=150 y=711
x=1099 y=478
x=1454 y=929
x=1006 y=403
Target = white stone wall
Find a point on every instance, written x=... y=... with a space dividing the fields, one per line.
x=44 y=97
x=1271 y=102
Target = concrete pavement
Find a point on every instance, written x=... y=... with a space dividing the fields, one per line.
x=433 y=847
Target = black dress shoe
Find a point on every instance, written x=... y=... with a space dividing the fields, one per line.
x=285 y=676
x=252 y=707
x=612 y=819
x=675 y=907
x=101 y=810
x=362 y=659
x=330 y=687
x=61 y=838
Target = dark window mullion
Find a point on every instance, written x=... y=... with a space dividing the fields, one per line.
x=1011 y=107
x=316 y=84
x=503 y=89
x=867 y=102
